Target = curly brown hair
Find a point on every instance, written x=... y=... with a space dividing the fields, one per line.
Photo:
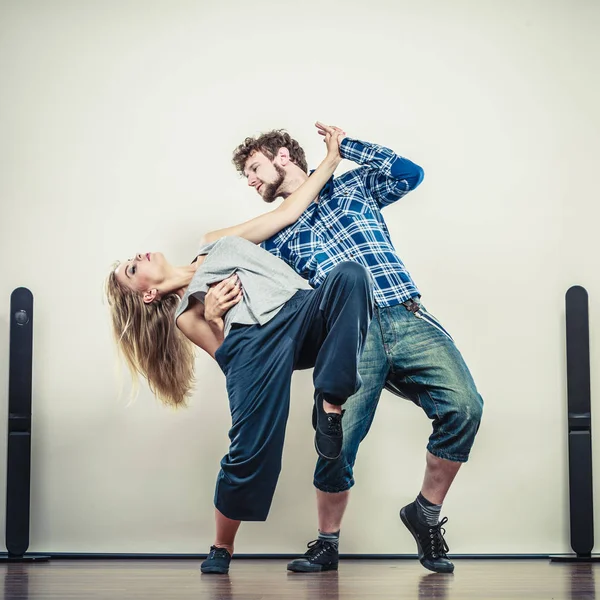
x=269 y=144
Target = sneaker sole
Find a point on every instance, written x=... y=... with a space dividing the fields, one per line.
x=214 y=570
x=308 y=568
x=324 y=455
x=419 y=548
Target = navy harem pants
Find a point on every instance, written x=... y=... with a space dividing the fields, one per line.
x=324 y=328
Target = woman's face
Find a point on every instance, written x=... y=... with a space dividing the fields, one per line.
x=144 y=273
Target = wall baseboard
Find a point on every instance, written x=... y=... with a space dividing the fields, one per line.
x=140 y=556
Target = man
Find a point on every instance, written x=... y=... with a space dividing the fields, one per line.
x=407 y=350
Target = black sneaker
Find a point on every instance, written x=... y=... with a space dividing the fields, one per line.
x=328 y=431
x=430 y=540
x=321 y=556
x=217 y=561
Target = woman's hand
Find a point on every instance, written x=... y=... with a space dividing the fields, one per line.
x=333 y=137
x=221 y=297
x=261 y=228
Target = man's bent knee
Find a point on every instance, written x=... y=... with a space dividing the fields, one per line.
x=455 y=431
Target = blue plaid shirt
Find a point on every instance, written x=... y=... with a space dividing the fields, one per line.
x=347 y=224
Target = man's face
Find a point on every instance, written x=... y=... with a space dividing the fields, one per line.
x=264 y=175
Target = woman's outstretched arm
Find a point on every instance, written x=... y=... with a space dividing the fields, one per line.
x=260 y=228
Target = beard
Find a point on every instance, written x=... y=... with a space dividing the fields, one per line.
x=272 y=191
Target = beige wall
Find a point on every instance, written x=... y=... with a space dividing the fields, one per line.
x=118 y=121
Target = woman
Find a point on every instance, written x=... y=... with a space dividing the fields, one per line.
x=259 y=333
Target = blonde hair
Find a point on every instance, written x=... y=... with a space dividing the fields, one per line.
x=150 y=342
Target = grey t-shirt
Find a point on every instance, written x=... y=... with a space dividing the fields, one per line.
x=267 y=282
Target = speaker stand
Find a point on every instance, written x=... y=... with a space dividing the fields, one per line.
x=9 y=558
x=579 y=418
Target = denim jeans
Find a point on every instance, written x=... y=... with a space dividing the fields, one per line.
x=413 y=356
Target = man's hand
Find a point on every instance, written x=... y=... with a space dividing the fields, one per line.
x=221 y=297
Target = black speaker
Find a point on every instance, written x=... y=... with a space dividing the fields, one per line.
x=579 y=421
x=18 y=471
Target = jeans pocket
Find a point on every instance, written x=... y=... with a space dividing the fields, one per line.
x=429 y=318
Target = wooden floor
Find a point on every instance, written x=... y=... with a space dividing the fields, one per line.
x=250 y=579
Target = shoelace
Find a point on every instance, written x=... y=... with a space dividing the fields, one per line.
x=317 y=547
x=334 y=422
x=439 y=547
x=217 y=553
